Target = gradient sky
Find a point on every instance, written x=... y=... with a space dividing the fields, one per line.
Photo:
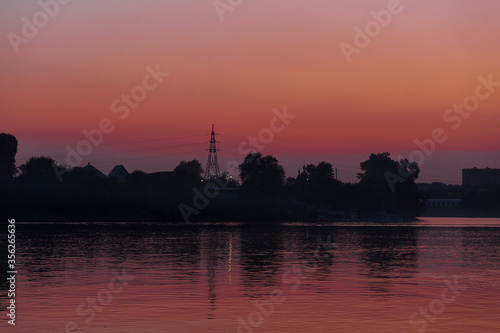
x=264 y=55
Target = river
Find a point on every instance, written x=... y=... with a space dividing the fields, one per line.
x=434 y=275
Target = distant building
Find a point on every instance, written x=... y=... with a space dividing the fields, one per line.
x=119 y=173
x=442 y=203
x=442 y=195
x=480 y=177
x=91 y=170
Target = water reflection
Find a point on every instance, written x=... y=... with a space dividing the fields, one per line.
x=388 y=253
x=260 y=259
x=202 y=279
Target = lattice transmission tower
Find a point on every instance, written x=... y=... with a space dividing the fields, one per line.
x=212 y=169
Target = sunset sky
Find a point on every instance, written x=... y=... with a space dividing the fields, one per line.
x=265 y=54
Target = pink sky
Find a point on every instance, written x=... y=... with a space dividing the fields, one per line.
x=264 y=55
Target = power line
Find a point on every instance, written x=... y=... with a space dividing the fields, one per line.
x=137 y=150
x=146 y=157
x=121 y=143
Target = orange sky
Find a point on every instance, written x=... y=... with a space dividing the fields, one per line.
x=264 y=55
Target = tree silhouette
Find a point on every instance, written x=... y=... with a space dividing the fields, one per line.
x=189 y=170
x=8 y=151
x=376 y=193
x=137 y=175
x=38 y=185
x=41 y=189
x=262 y=187
x=38 y=169
x=228 y=181
x=319 y=185
x=261 y=174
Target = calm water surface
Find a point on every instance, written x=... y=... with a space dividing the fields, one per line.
x=437 y=275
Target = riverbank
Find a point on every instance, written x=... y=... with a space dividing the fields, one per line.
x=461 y=213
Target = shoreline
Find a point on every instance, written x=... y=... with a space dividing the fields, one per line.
x=98 y=222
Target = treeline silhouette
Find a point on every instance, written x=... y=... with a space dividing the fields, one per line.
x=36 y=191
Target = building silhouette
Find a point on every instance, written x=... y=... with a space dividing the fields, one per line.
x=480 y=177
x=119 y=173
